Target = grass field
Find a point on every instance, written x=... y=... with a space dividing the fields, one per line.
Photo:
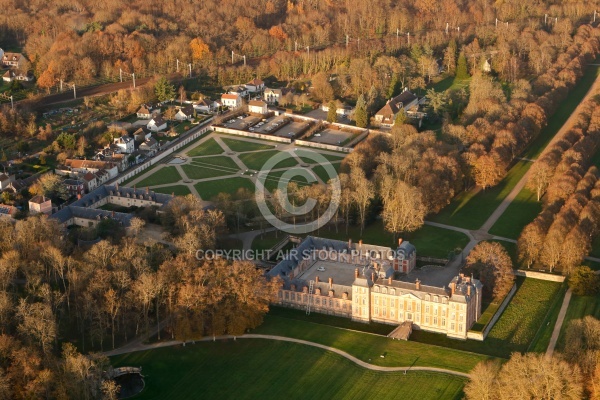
x=579 y=307
x=322 y=173
x=161 y=177
x=210 y=167
x=255 y=368
x=178 y=190
x=471 y=209
x=521 y=211
x=257 y=160
x=209 y=189
x=542 y=339
x=241 y=145
x=430 y=241
x=369 y=347
x=329 y=157
x=267 y=240
x=208 y=148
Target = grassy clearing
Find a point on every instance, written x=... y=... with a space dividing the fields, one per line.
x=322 y=173
x=579 y=307
x=471 y=209
x=177 y=190
x=255 y=368
x=542 y=339
x=309 y=160
x=369 y=347
x=273 y=179
x=222 y=162
x=242 y=146
x=430 y=241
x=210 y=167
x=210 y=189
x=521 y=211
x=161 y=177
x=257 y=160
x=209 y=148
x=517 y=327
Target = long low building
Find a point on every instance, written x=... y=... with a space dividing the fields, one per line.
x=359 y=282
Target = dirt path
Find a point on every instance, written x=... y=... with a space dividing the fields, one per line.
x=142 y=347
x=559 y=323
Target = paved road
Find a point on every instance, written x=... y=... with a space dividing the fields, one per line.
x=142 y=347
x=559 y=324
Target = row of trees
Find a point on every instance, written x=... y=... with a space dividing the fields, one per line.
x=573 y=374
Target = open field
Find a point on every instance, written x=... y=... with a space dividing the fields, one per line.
x=208 y=148
x=255 y=368
x=257 y=160
x=161 y=177
x=430 y=241
x=521 y=211
x=369 y=347
x=308 y=160
x=272 y=180
x=579 y=307
x=209 y=189
x=210 y=167
x=242 y=146
x=322 y=172
x=177 y=190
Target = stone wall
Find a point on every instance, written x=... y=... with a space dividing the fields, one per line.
x=324 y=146
x=251 y=134
x=540 y=275
x=480 y=336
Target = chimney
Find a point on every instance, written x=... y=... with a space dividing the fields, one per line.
x=78 y=196
x=468 y=290
x=360 y=243
x=399 y=242
x=117 y=186
x=317 y=279
x=147 y=189
x=390 y=280
x=373 y=276
x=452 y=288
x=355 y=273
x=418 y=284
x=330 y=283
x=349 y=243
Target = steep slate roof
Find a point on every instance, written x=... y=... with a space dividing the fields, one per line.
x=394 y=105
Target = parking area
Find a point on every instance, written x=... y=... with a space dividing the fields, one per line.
x=241 y=122
x=272 y=125
x=292 y=129
x=330 y=136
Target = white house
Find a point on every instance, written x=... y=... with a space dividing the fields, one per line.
x=10 y=76
x=387 y=115
x=232 y=101
x=273 y=96
x=157 y=124
x=90 y=181
x=40 y=205
x=185 y=113
x=255 y=85
x=5 y=181
x=142 y=134
x=343 y=109
x=241 y=90
x=125 y=143
x=145 y=112
x=257 y=107
x=13 y=60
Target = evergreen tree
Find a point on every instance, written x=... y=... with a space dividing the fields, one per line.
x=401 y=118
x=461 y=67
x=360 y=113
x=332 y=113
x=3 y=158
x=164 y=90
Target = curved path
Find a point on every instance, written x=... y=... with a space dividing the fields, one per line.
x=142 y=347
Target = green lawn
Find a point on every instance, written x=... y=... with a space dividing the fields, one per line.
x=257 y=160
x=267 y=240
x=209 y=148
x=579 y=307
x=309 y=160
x=210 y=167
x=369 y=347
x=256 y=368
x=210 y=189
x=272 y=179
x=161 y=177
x=430 y=241
x=521 y=211
x=542 y=339
x=240 y=145
x=471 y=209
x=322 y=173
x=178 y=190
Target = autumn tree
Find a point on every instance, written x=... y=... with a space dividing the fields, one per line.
x=490 y=262
x=403 y=209
x=50 y=185
x=332 y=112
x=584 y=282
x=199 y=49
x=363 y=191
x=360 y=113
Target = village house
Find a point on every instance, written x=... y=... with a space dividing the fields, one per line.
x=125 y=143
x=257 y=107
x=149 y=146
x=206 y=105
x=185 y=113
x=5 y=181
x=40 y=205
x=74 y=186
x=90 y=181
x=157 y=124
x=358 y=281
x=10 y=76
x=146 y=112
x=274 y=96
x=237 y=89
x=142 y=134
x=387 y=115
x=341 y=109
x=13 y=60
x=232 y=101
x=84 y=166
x=255 y=85
x=7 y=211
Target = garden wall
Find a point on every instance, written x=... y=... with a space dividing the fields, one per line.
x=251 y=134
x=323 y=146
x=540 y=275
x=480 y=336
x=199 y=131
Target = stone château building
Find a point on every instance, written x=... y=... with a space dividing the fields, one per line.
x=358 y=281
